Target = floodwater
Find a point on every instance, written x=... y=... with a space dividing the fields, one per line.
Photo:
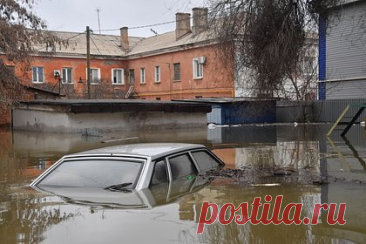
x=300 y=163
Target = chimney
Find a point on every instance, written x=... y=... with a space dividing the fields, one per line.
x=200 y=20
x=183 y=24
x=124 y=39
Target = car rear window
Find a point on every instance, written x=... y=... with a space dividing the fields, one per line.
x=93 y=173
x=205 y=160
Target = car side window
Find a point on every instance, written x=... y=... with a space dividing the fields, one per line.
x=205 y=160
x=182 y=166
x=160 y=174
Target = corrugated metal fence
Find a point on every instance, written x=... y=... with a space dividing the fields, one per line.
x=317 y=111
x=329 y=110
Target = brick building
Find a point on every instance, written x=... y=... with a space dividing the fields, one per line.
x=175 y=65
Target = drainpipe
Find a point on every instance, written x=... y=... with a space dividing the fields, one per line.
x=88 y=58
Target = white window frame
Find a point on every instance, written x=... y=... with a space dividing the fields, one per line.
x=122 y=81
x=157 y=74
x=36 y=79
x=197 y=69
x=142 y=75
x=66 y=79
x=308 y=66
x=91 y=75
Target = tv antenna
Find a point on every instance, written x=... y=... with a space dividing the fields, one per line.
x=153 y=31
x=98 y=11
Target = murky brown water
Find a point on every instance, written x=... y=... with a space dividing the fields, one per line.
x=28 y=216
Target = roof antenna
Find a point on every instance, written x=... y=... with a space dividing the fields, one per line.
x=98 y=10
x=153 y=31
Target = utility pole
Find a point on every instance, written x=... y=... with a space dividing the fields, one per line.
x=88 y=59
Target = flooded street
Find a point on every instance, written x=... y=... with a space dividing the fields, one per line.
x=300 y=163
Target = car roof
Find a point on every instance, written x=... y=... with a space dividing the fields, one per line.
x=153 y=150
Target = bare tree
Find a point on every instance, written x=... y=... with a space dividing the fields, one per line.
x=20 y=31
x=267 y=37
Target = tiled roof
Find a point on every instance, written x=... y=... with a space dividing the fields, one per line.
x=104 y=45
x=110 y=45
x=166 y=41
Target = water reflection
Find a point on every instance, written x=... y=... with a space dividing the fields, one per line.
x=353 y=195
x=39 y=220
x=248 y=233
x=281 y=155
x=147 y=198
x=24 y=217
x=28 y=216
x=309 y=195
x=346 y=156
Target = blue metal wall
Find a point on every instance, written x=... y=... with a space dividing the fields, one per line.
x=250 y=112
x=242 y=112
x=322 y=57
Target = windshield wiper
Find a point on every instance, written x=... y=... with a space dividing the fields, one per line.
x=119 y=187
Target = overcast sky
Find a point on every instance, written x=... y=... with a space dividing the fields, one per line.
x=75 y=15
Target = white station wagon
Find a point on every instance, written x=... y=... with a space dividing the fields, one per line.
x=129 y=167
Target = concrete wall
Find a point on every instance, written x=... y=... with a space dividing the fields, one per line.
x=17 y=93
x=98 y=123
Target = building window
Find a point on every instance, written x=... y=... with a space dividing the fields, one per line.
x=309 y=66
x=67 y=75
x=94 y=75
x=142 y=76
x=197 y=69
x=176 y=76
x=38 y=75
x=157 y=74
x=132 y=76
x=117 y=77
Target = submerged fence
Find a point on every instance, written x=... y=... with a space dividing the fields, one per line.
x=317 y=111
x=329 y=110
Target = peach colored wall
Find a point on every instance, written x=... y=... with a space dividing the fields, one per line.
x=79 y=70
x=227 y=155
x=217 y=81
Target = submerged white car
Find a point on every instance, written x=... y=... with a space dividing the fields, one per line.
x=128 y=168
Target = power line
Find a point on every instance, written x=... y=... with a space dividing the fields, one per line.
x=68 y=39
x=74 y=36
x=95 y=44
x=143 y=26
x=156 y=24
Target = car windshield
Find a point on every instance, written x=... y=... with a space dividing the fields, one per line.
x=94 y=173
